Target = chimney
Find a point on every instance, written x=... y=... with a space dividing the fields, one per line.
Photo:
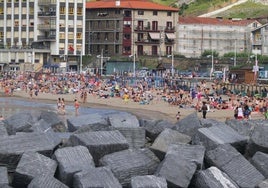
x=117 y=3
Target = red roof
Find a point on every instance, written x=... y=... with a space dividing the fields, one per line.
x=214 y=21
x=131 y=4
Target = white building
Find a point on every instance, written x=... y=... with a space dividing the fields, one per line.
x=34 y=33
x=197 y=34
x=260 y=40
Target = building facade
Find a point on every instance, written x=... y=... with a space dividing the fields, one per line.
x=197 y=34
x=260 y=40
x=124 y=28
x=37 y=33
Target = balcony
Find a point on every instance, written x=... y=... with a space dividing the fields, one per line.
x=46 y=14
x=127 y=30
x=147 y=41
x=46 y=38
x=170 y=29
x=257 y=42
x=169 y=42
x=47 y=2
x=142 y=28
x=46 y=27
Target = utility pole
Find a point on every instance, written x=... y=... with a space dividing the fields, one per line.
x=101 y=61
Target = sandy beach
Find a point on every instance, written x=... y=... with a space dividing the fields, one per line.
x=155 y=110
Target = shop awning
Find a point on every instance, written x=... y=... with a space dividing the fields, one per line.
x=155 y=36
x=171 y=36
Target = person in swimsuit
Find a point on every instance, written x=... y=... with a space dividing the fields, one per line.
x=76 y=106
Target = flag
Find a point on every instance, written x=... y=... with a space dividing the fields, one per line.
x=71 y=48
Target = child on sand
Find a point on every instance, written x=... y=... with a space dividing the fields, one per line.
x=76 y=106
x=178 y=115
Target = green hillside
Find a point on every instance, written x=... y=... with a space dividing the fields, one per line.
x=245 y=10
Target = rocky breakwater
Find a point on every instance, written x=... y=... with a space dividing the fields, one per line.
x=113 y=150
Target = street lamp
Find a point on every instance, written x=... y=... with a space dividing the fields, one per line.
x=212 y=63
x=255 y=67
x=101 y=61
x=235 y=55
x=81 y=58
x=134 y=64
x=172 y=63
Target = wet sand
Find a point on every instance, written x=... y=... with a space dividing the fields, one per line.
x=155 y=110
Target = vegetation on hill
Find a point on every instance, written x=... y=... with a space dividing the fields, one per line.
x=249 y=9
x=246 y=10
x=200 y=7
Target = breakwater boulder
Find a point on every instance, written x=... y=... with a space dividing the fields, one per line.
x=119 y=150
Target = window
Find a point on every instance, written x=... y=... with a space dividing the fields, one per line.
x=117 y=36
x=168 y=13
x=79 y=11
x=1 y=34
x=16 y=23
x=1 y=10
x=127 y=49
x=140 y=25
x=117 y=23
x=70 y=36
x=71 y=10
x=155 y=12
x=117 y=11
x=99 y=24
x=155 y=25
x=62 y=35
x=140 y=12
x=140 y=36
x=127 y=23
x=126 y=36
x=31 y=10
x=106 y=36
x=117 y=49
x=98 y=36
x=169 y=25
x=62 y=10
x=107 y=23
x=127 y=13
x=79 y=35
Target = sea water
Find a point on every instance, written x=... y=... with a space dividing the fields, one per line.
x=10 y=106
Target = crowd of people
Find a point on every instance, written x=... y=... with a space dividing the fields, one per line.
x=203 y=97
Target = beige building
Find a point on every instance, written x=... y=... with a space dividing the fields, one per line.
x=37 y=33
x=130 y=27
x=260 y=40
x=197 y=34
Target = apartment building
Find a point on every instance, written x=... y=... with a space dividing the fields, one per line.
x=197 y=34
x=260 y=40
x=130 y=27
x=37 y=33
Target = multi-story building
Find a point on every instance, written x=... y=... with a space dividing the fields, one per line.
x=34 y=33
x=260 y=40
x=197 y=34
x=130 y=27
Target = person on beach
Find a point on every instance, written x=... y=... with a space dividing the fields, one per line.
x=63 y=106
x=240 y=112
x=178 y=115
x=76 y=106
x=31 y=93
x=204 y=109
x=59 y=105
x=84 y=96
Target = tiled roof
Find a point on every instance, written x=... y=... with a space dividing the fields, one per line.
x=214 y=21
x=131 y=4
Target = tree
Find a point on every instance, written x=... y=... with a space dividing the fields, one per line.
x=207 y=53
